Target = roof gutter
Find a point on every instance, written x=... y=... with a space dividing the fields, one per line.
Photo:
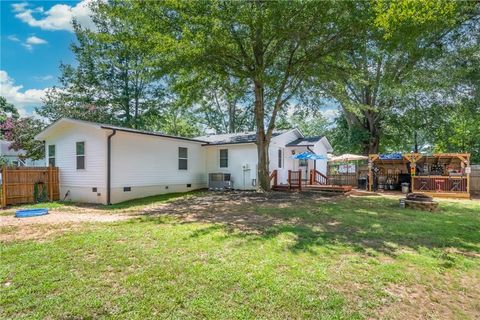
x=109 y=165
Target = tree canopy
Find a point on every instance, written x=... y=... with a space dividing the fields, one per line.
x=403 y=73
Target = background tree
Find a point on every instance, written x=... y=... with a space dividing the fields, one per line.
x=309 y=120
x=20 y=131
x=112 y=80
x=7 y=110
x=271 y=46
x=221 y=103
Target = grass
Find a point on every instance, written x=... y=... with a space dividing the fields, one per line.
x=126 y=206
x=344 y=258
x=141 y=203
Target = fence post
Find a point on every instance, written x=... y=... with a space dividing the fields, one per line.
x=300 y=180
x=50 y=186
x=4 y=186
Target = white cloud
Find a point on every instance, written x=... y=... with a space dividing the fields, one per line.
x=13 y=37
x=58 y=17
x=35 y=40
x=29 y=43
x=17 y=7
x=19 y=97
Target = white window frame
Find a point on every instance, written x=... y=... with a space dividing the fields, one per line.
x=182 y=158
x=54 y=156
x=280 y=162
x=80 y=155
x=220 y=158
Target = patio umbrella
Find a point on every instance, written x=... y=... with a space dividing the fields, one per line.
x=347 y=157
x=308 y=156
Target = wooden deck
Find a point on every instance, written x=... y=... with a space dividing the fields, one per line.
x=327 y=188
x=314 y=188
x=317 y=182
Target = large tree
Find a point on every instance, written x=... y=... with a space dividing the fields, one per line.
x=401 y=41
x=112 y=80
x=272 y=46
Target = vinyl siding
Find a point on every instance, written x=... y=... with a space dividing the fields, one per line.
x=319 y=148
x=80 y=182
x=142 y=160
x=238 y=156
x=277 y=143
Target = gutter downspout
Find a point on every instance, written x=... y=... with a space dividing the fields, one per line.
x=314 y=161
x=109 y=164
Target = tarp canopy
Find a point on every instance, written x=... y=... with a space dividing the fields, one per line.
x=347 y=157
x=391 y=156
x=308 y=156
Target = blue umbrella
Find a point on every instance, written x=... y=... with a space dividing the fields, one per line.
x=309 y=156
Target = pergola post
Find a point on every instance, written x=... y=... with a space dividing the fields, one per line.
x=371 y=160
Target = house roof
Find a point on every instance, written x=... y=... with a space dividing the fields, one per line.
x=151 y=133
x=44 y=133
x=304 y=142
x=233 y=138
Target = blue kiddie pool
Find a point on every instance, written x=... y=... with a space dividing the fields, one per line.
x=25 y=213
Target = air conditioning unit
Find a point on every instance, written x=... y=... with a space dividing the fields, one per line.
x=220 y=181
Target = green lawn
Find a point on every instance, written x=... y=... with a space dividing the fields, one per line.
x=338 y=258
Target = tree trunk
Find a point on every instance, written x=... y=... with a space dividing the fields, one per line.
x=372 y=145
x=262 y=141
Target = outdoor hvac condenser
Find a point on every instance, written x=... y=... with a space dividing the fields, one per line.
x=220 y=181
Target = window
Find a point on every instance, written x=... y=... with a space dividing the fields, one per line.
x=182 y=158
x=279 y=158
x=303 y=163
x=80 y=155
x=223 y=158
x=51 y=155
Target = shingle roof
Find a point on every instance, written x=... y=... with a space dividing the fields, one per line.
x=305 y=142
x=233 y=138
x=112 y=127
x=150 y=133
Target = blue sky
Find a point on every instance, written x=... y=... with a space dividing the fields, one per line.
x=35 y=39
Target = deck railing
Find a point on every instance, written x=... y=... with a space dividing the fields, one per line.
x=295 y=179
x=316 y=177
x=439 y=184
x=274 y=177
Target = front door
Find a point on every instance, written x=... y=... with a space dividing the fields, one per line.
x=303 y=167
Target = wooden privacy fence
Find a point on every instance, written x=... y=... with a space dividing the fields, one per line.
x=18 y=184
x=475 y=179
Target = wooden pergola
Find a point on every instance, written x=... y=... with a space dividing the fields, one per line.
x=439 y=175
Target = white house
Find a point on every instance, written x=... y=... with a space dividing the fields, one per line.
x=16 y=158
x=102 y=163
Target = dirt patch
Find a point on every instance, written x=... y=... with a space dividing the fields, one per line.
x=434 y=302
x=238 y=210
x=56 y=222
